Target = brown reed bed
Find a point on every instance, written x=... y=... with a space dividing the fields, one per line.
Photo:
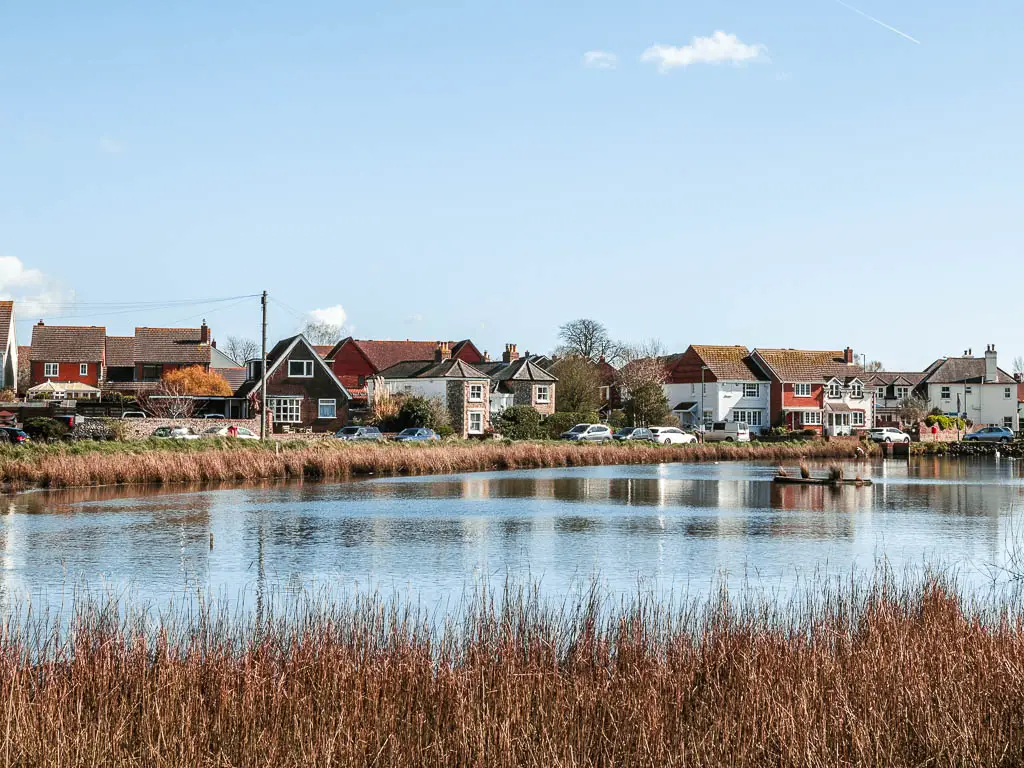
x=83 y=465
x=892 y=675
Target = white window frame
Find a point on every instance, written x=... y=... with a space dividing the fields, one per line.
x=330 y=402
x=709 y=417
x=51 y=370
x=835 y=390
x=810 y=418
x=1007 y=393
x=476 y=392
x=880 y=393
x=856 y=389
x=83 y=369
x=307 y=369
x=801 y=390
x=543 y=394
x=752 y=390
x=857 y=419
x=285 y=408
x=944 y=393
x=1008 y=422
x=750 y=416
x=902 y=393
x=470 y=429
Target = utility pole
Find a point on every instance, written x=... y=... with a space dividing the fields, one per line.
x=263 y=372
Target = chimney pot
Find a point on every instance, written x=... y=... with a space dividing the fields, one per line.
x=204 y=333
x=848 y=355
x=510 y=355
x=443 y=352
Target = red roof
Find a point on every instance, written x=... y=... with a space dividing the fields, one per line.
x=68 y=343
x=384 y=354
x=171 y=345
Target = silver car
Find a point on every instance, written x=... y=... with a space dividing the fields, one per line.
x=595 y=433
x=634 y=433
x=990 y=435
x=359 y=433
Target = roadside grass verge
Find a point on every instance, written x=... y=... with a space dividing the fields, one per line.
x=90 y=464
x=884 y=674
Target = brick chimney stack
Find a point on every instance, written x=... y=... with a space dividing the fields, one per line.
x=204 y=333
x=443 y=352
x=511 y=354
x=40 y=322
x=848 y=355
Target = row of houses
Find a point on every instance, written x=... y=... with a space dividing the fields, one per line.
x=316 y=387
x=828 y=391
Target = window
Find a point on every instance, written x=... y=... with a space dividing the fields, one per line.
x=880 y=393
x=1007 y=392
x=751 y=418
x=751 y=390
x=857 y=389
x=300 y=369
x=328 y=409
x=708 y=416
x=287 y=410
x=51 y=369
x=476 y=393
x=967 y=390
x=606 y=394
x=360 y=381
x=902 y=393
x=801 y=390
x=1008 y=422
x=476 y=422
x=83 y=369
x=835 y=389
x=543 y=393
x=151 y=372
x=857 y=418
x=810 y=418
x=944 y=393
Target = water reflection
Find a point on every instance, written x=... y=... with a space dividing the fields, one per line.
x=669 y=525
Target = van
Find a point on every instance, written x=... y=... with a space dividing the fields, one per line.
x=728 y=432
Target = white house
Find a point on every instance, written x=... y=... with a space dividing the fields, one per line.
x=8 y=347
x=711 y=383
x=973 y=387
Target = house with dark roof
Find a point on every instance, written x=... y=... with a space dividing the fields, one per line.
x=355 y=361
x=302 y=391
x=462 y=388
x=976 y=388
x=891 y=389
x=709 y=383
x=819 y=390
x=66 y=354
x=519 y=380
x=8 y=347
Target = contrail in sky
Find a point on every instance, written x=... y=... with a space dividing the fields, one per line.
x=878 y=22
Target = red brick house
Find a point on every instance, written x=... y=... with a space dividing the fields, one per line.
x=302 y=391
x=68 y=354
x=354 y=361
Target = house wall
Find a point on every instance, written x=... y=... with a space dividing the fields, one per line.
x=351 y=368
x=310 y=391
x=66 y=372
x=525 y=393
x=459 y=406
x=722 y=398
x=987 y=404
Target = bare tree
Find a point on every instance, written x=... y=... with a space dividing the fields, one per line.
x=912 y=410
x=873 y=366
x=1018 y=366
x=320 y=333
x=579 y=385
x=170 y=400
x=588 y=339
x=641 y=379
x=240 y=349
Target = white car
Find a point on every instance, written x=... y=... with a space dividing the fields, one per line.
x=243 y=433
x=672 y=435
x=728 y=432
x=888 y=435
x=175 y=433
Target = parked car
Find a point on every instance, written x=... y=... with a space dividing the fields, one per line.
x=888 y=435
x=133 y=415
x=243 y=433
x=634 y=433
x=214 y=416
x=990 y=435
x=416 y=434
x=598 y=433
x=175 y=433
x=14 y=435
x=728 y=432
x=672 y=435
x=359 y=433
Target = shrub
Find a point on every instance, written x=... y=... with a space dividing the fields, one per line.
x=42 y=428
x=557 y=423
x=417 y=411
x=8 y=396
x=520 y=422
x=194 y=380
x=445 y=431
x=809 y=433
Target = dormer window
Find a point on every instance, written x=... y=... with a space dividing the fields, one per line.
x=300 y=369
x=835 y=389
x=856 y=389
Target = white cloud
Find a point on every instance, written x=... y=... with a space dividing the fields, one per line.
x=600 y=60
x=109 y=146
x=720 y=48
x=335 y=315
x=35 y=295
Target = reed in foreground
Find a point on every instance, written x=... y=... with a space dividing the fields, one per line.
x=895 y=676
x=91 y=464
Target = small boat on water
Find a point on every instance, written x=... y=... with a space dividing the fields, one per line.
x=789 y=480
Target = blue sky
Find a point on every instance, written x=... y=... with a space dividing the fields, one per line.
x=463 y=169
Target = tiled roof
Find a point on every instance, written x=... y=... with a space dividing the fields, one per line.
x=887 y=378
x=729 y=363
x=429 y=369
x=384 y=354
x=120 y=351
x=68 y=343
x=808 y=365
x=6 y=312
x=522 y=370
x=235 y=377
x=170 y=345
x=957 y=370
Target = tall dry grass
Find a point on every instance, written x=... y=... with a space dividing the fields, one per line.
x=78 y=465
x=893 y=676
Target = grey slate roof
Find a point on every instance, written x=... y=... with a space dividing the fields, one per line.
x=957 y=370
x=523 y=369
x=431 y=369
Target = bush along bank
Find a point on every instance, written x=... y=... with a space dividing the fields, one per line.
x=1012 y=450
x=93 y=464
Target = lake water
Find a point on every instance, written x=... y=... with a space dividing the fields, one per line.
x=671 y=527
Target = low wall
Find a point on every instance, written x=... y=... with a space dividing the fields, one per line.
x=926 y=435
x=139 y=429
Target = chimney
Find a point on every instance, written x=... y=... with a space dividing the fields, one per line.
x=510 y=355
x=443 y=352
x=848 y=355
x=40 y=322
x=204 y=333
x=991 y=368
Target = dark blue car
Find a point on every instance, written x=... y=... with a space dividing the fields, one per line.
x=416 y=434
